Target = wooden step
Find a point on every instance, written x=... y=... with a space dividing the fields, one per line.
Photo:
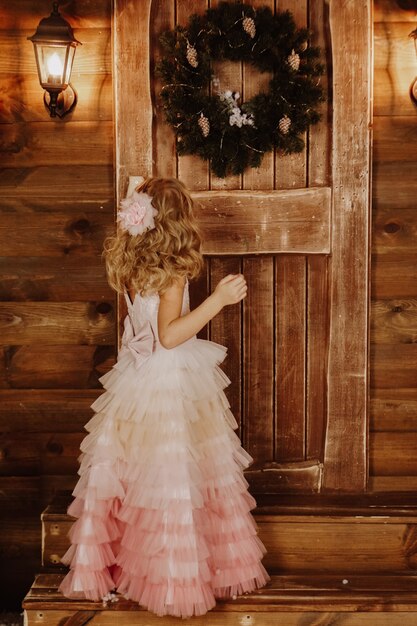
x=361 y=534
x=289 y=600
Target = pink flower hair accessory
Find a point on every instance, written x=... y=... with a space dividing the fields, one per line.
x=137 y=213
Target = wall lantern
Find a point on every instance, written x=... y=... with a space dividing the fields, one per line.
x=54 y=44
x=413 y=88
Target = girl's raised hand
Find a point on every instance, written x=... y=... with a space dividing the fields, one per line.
x=231 y=289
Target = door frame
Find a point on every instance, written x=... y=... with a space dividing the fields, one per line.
x=350 y=26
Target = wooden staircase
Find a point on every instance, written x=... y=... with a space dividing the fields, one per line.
x=334 y=561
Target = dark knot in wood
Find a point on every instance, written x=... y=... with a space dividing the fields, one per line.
x=81 y=226
x=391 y=227
x=103 y=308
x=54 y=447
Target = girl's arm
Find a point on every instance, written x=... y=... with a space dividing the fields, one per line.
x=174 y=329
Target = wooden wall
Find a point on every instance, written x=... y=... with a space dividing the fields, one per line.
x=57 y=314
x=393 y=437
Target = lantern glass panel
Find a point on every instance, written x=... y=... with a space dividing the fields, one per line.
x=53 y=65
x=70 y=59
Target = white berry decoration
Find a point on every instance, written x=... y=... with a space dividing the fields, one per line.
x=204 y=124
x=191 y=55
x=249 y=26
x=284 y=125
x=293 y=60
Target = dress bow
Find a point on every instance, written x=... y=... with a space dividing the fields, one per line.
x=141 y=344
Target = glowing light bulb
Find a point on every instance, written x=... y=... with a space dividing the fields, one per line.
x=54 y=68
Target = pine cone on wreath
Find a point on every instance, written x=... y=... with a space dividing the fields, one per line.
x=249 y=26
x=284 y=125
x=204 y=124
x=293 y=60
x=191 y=55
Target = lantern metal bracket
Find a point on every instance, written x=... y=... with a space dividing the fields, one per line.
x=60 y=103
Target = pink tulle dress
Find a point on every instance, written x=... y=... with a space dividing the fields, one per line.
x=162 y=504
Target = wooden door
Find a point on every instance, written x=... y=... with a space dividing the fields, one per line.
x=297 y=227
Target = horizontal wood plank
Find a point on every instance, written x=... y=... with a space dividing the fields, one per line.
x=394 y=321
x=393 y=484
x=95 y=99
x=92 y=58
x=20 y=492
x=392 y=97
x=393 y=454
x=244 y=222
x=273 y=615
x=38 y=144
x=284 y=602
x=39 y=279
x=394 y=365
x=42 y=367
x=60 y=323
x=67 y=409
x=288 y=612
x=387 y=193
x=66 y=230
x=394 y=49
x=393 y=276
x=302 y=477
x=68 y=182
x=394 y=231
x=395 y=139
x=81 y=14
x=393 y=409
x=23 y=453
x=393 y=11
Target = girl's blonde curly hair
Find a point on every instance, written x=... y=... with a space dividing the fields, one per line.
x=150 y=262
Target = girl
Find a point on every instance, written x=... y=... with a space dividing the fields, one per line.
x=162 y=504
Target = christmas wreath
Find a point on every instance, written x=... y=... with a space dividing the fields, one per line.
x=217 y=124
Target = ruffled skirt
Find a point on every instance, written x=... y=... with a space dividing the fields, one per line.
x=162 y=503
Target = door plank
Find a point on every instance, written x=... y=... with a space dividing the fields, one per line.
x=133 y=132
x=256 y=82
x=346 y=465
x=192 y=171
x=291 y=169
x=163 y=147
x=319 y=135
x=225 y=329
x=317 y=350
x=258 y=359
x=230 y=75
x=290 y=340
x=199 y=290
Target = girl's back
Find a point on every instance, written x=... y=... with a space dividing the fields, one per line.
x=144 y=308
